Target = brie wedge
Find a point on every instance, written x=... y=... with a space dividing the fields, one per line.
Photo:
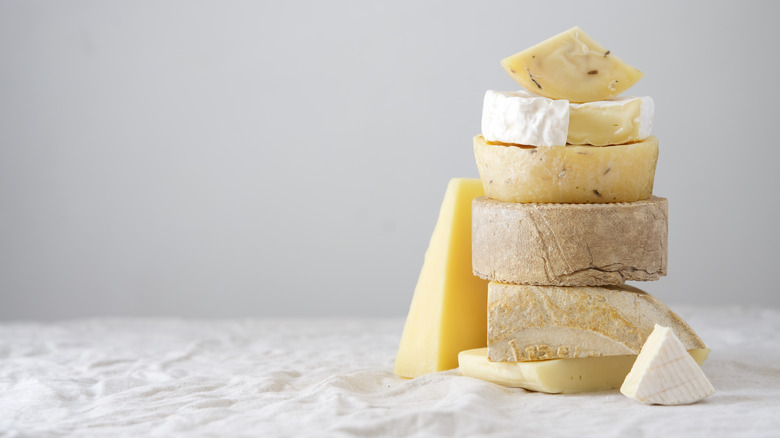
x=665 y=374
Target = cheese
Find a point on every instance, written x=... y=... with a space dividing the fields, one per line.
x=555 y=376
x=520 y=117
x=569 y=244
x=571 y=66
x=549 y=322
x=448 y=310
x=664 y=374
x=608 y=122
x=567 y=174
x=523 y=118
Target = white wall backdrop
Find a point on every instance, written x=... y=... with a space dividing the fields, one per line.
x=223 y=158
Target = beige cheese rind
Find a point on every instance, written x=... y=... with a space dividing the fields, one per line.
x=555 y=376
x=527 y=323
x=567 y=174
x=569 y=244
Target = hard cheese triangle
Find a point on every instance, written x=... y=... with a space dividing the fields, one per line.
x=665 y=374
x=448 y=313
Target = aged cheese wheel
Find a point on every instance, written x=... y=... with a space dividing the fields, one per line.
x=528 y=323
x=567 y=174
x=569 y=244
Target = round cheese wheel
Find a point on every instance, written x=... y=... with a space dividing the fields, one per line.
x=567 y=174
x=569 y=244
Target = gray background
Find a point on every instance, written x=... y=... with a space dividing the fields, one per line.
x=217 y=159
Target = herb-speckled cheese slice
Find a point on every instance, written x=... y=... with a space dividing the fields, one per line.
x=567 y=174
x=572 y=66
x=523 y=118
x=557 y=375
x=569 y=244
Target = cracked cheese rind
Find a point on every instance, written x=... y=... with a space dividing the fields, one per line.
x=567 y=174
x=571 y=66
x=523 y=118
x=555 y=376
x=527 y=323
x=664 y=374
x=448 y=310
x=569 y=244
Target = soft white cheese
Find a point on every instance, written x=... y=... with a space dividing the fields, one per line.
x=520 y=117
x=665 y=374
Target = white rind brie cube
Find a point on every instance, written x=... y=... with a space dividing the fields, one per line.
x=520 y=117
x=665 y=374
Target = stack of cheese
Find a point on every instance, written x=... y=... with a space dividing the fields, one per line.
x=568 y=216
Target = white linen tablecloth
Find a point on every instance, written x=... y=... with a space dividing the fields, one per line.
x=333 y=377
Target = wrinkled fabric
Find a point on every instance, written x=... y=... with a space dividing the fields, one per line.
x=333 y=377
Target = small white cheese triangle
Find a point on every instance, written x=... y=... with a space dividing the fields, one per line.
x=665 y=374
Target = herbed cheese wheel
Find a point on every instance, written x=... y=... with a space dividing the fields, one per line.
x=569 y=244
x=567 y=174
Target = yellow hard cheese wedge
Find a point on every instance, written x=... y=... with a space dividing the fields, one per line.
x=448 y=311
x=571 y=66
x=567 y=174
x=557 y=375
x=663 y=374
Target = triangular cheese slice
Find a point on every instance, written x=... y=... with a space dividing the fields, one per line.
x=448 y=313
x=665 y=374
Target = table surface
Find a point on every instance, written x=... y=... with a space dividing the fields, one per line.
x=333 y=377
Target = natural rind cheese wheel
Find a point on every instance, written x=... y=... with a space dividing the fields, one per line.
x=569 y=244
x=527 y=323
x=567 y=174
